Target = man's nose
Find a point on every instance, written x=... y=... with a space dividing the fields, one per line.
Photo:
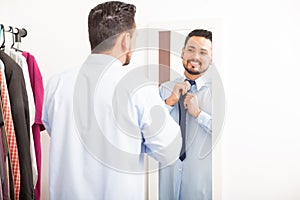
x=197 y=55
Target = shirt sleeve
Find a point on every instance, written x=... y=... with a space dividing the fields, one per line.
x=45 y=118
x=163 y=92
x=170 y=108
x=161 y=134
x=205 y=120
x=48 y=105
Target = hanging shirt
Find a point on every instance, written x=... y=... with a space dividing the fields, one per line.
x=3 y=170
x=4 y=156
x=21 y=61
x=37 y=86
x=18 y=58
x=191 y=178
x=102 y=157
x=1 y=195
x=11 y=136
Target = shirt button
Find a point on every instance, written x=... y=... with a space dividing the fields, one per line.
x=180 y=168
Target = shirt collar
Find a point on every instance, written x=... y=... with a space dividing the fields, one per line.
x=102 y=59
x=200 y=82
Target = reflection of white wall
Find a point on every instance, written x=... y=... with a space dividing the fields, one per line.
x=177 y=42
x=259 y=67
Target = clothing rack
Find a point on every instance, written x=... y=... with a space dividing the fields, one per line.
x=17 y=33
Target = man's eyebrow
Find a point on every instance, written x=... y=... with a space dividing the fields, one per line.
x=193 y=47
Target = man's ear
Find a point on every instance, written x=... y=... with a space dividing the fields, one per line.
x=126 y=41
x=182 y=52
x=211 y=58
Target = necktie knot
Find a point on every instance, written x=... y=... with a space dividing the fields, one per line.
x=191 y=82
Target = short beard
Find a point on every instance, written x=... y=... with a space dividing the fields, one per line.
x=190 y=71
x=194 y=72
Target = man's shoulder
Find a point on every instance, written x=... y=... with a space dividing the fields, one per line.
x=65 y=79
x=171 y=83
x=166 y=88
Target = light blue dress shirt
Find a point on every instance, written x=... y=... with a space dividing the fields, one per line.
x=102 y=157
x=191 y=179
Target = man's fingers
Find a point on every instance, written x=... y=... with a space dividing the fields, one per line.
x=188 y=99
x=186 y=102
x=185 y=106
x=185 y=88
x=189 y=95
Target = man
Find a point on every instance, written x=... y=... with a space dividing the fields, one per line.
x=100 y=122
x=190 y=177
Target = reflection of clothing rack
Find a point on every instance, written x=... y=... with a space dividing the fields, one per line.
x=17 y=34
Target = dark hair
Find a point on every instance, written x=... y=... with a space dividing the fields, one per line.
x=199 y=33
x=107 y=20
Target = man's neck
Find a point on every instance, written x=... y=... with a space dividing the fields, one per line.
x=114 y=53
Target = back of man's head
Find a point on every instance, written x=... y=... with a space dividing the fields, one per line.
x=106 y=21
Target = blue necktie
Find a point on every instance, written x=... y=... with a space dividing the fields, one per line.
x=182 y=121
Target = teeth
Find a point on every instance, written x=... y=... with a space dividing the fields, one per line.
x=194 y=63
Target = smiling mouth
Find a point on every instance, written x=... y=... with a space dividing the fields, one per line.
x=195 y=64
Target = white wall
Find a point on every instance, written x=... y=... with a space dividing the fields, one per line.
x=260 y=67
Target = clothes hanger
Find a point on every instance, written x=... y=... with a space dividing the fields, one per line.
x=15 y=38
x=2 y=47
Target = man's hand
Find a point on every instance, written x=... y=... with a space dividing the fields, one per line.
x=179 y=89
x=191 y=103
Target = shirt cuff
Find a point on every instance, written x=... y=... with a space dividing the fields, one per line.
x=170 y=108
x=204 y=119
